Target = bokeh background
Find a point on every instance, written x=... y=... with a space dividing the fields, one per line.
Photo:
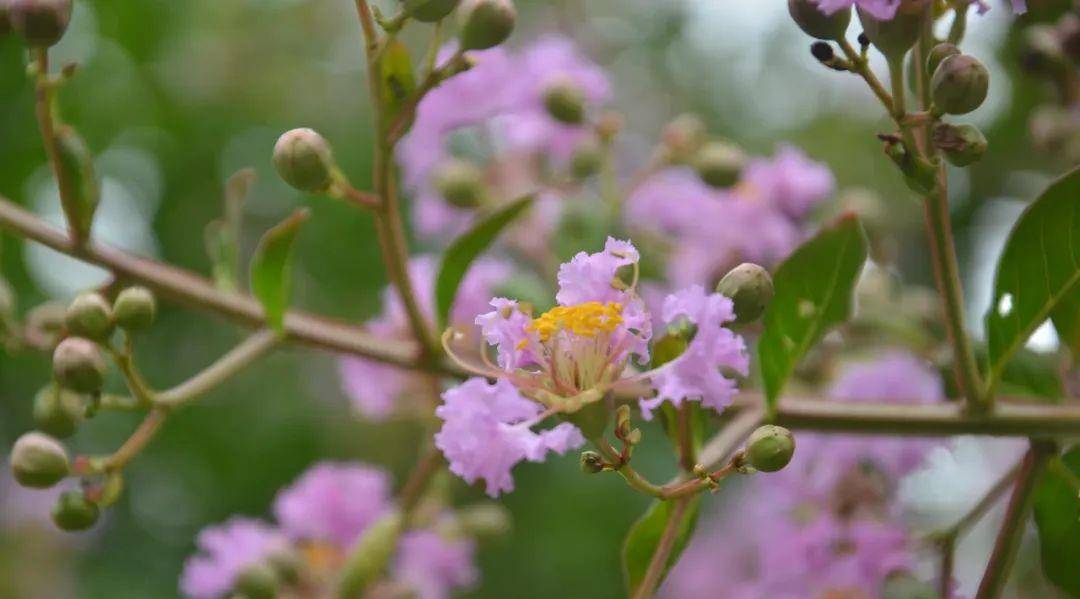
x=175 y=96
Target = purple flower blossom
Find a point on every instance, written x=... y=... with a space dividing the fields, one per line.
x=696 y=373
x=789 y=181
x=225 y=551
x=886 y=9
x=374 y=387
x=487 y=430
x=434 y=566
x=333 y=502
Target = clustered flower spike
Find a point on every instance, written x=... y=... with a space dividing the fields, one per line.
x=333 y=502
x=570 y=357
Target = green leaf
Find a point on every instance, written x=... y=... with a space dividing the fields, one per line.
x=222 y=236
x=271 y=268
x=465 y=249
x=645 y=535
x=1038 y=276
x=398 y=81
x=1029 y=374
x=1057 y=516
x=814 y=289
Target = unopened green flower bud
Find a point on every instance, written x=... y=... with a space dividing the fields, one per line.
x=770 y=448
x=39 y=461
x=684 y=135
x=815 y=23
x=750 y=288
x=485 y=519
x=622 y=420
x=959 y=84
x=304 y=160
x=487 y=23
x=90 y=316
x=963 y=145
x=57 y=411
x=430 y=11
x=73 y=511
x=135 y=309
x=894 y=37
x=78 y=365
x=586 y=160
x=40 y=22
x=565 y=102
x=591 y=462
x=719 y=163
x=460 y=183
x=258 y=581
x=939 y=53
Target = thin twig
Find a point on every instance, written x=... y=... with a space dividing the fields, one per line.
x=224 y=368
x=658 y=564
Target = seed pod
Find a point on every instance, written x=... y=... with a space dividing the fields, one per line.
x=770 y=448
x=815 y=23
x=40 y=22
x=304 y=160
x=487 y=23
x=81 y=191
x=963 y=145
x=565 y=102
x=258 y=581
x=430 y=11
x=90 y=316
x=939 y=53
x=895 y=36
x=39 y=461
x=74 y=512
x=719 y=164
x=58 y=411
x=750 y=288
x=591 y=462
x=78 y=365
x=135 y=309
x=959 y=84
x=460 y=183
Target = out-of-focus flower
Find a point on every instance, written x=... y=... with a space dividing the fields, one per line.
x=434 y=566
x=708 y=230
x=225 y=551
x=374 y=387
x=567 y=359
x=333 y=502
x=886 y=9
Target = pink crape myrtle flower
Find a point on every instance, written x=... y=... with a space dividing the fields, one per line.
x=434 y=566
x=225 y=551
x=570 y=357
x=333 y=502
x=886 y=9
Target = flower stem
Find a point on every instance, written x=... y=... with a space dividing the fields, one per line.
x=862 y=68
x=252 y=348
x=654 y=574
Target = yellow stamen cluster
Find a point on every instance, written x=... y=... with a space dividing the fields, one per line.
x=584 y=320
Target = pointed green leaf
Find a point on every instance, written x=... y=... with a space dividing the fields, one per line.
x=814 y=289
x=1057 y=516
x=398 y=81
x=465 y=249
x=271 y=268
x=644 y=537
x=1038 y=275
x=222 y=236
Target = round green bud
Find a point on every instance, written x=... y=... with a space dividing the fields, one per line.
x=750 y=288
x=258 y=581
x=684 y=135
x=962 y=145
x=894 y=37
x=939 y=53
x=565 y=102
x=40 y=22
x=586 y=160
x=487 y=23
x=39 y=461
x=770 y=448
x=304 y=160
x=815 y=23
x=591 y=462
x=74 y=512
x=57 y=411
x=90 y=316
x=135 y=309
x=959 y=84
x=460 y=183
x=78 y=365
x=719 y=163
x=430 y=11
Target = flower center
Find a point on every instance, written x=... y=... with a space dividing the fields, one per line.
x=583 y=320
